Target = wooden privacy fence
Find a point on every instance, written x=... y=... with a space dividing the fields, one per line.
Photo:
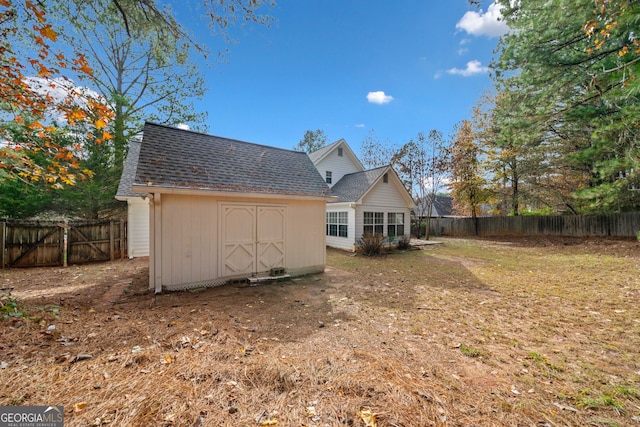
x=39 y=244
x=613 y=225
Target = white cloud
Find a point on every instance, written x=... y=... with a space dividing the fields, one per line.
x=473 y=67
x=360 y=125
x=489 y=23
x=183 y=126
x=60 y=90
x=379 y=97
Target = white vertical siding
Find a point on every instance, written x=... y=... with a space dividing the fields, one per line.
x=137 y=227
x=339 y=166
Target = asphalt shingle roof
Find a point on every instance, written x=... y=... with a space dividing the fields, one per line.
x=321 y=152
x=129 y=172
x=352 y=187
x=176 y=158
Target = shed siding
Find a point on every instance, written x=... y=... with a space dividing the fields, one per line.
x=339 y=166
x=191 y=243
x=137 y=227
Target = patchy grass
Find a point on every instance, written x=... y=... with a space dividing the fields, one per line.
x=470 y=332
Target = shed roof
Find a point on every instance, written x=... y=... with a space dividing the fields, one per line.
x=129 y=172
x=182 y=159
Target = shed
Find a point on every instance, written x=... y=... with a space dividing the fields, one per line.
x=224 y=209
x=137 y=206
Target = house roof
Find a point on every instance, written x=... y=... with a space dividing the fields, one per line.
x=320 y=154
x=442 y=206
x=355 y=185
x=129 y=172
x=174 y=158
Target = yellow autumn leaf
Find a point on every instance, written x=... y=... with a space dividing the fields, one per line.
x=106 y=135
x=100 y=124
x=269 y=422
x=48 y=32
x=367 y=415
x=78 y=407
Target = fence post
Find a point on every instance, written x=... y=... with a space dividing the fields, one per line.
x=111 y=242
x=3 y=235
x=122 y=239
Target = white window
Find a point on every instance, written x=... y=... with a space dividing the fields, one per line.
x=337 y=224
x=339 y=151
x=395 y=224
x=373 y=223
x=385 y=177
x=328 y=177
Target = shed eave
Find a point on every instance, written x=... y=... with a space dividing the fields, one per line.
x=218 y=193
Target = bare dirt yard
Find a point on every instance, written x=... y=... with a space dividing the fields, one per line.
x=518 y=332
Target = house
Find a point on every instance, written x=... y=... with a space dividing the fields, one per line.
x=368 y=201
x=137 y=206
x=224 y=209
x=442 y=207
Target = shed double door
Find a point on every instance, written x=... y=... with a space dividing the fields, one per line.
x=252 y=239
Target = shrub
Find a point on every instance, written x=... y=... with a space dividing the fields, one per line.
x=404 y=242
x=371 y=244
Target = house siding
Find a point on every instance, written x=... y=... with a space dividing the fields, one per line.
x=339 y=166
x=190 y=242
x=346 y=243
x=383 y=197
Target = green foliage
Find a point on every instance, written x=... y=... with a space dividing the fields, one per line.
x=563 y=132
x=313 y=140
x=469 y=351
x=9 y=307
x=371 y=244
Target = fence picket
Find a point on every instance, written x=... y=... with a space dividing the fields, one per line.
x=39 y=243
x=626 y=224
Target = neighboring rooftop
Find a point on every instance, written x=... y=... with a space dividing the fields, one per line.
x=183 y=159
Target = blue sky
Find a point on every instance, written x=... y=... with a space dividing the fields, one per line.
x=347 y=67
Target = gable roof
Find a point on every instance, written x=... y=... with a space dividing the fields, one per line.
x=442 y=206
x=172 y=158
x=129 y=172
x=323 y=152
x=353 y=186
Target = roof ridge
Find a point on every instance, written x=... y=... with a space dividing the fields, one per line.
x=208 y=135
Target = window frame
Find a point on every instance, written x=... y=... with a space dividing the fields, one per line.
x=373 y=222
x=337 y=224
x=328 y=177
x=395 y=224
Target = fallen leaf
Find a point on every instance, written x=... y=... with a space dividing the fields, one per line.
x=367 y=415
x=78 y=407
x=269 y=422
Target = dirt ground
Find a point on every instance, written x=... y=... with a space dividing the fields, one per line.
x=504 y=332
